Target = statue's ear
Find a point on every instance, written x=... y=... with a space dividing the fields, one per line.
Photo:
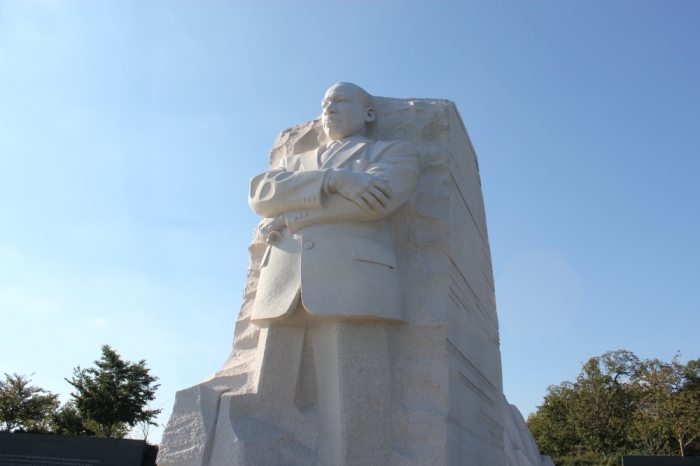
x=370 y=115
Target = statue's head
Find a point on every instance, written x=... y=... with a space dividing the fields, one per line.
x=347 y=110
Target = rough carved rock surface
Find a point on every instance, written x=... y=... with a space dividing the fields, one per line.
x=448 y=406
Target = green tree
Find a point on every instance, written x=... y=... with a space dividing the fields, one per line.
x=669 y=400
x=111 y=397
x=604 y=405
x=551 y=426
x=619 y=404
x=23 y=406
x=68 y=421
x=591 y=415
x=692 y=375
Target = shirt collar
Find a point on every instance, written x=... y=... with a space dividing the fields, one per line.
x=349 y=140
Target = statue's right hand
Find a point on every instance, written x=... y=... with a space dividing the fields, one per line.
x=270 y=225
x=369 y=192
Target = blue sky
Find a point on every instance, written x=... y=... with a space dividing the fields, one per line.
x=129 y=131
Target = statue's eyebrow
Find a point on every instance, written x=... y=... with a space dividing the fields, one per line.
x=326 y=101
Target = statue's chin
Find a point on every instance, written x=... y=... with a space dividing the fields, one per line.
x=335 y=135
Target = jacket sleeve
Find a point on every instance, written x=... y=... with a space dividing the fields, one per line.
x=397 y=161
x=282 y=189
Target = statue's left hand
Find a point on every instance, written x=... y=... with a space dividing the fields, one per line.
x=369 y=191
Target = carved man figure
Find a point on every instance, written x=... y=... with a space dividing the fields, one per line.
x=329 y=286
x=329 y=205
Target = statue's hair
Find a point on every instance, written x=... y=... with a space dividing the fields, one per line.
x=366 y=97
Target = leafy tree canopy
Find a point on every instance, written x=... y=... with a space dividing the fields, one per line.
x=23 y=406
x=619 y=403
x=668 y=404
x=109 y=398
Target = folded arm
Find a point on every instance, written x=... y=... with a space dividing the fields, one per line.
x=277 y=191
x=302 y=198
x=398 y=166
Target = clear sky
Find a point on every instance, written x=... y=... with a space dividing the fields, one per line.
x=129 y=131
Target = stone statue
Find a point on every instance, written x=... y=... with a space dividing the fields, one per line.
x=368 y=332
x=325 y=209
x=329 y=277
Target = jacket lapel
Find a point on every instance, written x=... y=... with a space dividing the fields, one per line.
x=340 y=157
x=309 y=159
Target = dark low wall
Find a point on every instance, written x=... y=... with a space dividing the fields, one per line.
x=61 y=450
x=660 y=461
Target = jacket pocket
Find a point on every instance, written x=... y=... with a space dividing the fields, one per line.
x=368 y=250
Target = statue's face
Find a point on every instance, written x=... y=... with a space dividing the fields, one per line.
x=344 y=113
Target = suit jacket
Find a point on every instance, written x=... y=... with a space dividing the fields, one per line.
x=339 y=259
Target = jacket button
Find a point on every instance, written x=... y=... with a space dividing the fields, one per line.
x=308 y=244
